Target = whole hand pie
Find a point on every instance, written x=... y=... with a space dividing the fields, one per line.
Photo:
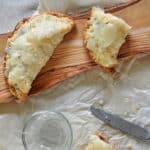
x=29 y=48
x=104 y=36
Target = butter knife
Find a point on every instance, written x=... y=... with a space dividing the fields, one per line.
x=119 y=123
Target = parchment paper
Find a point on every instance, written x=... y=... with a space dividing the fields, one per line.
x=12 y=11
x=128 y=97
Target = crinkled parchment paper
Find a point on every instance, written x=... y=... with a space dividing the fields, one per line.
x=129 y=97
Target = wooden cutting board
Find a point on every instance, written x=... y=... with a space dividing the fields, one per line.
x=71 y=58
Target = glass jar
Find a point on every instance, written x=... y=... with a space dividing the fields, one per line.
x=47 y=130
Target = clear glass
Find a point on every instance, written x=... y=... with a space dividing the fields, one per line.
x=47 y=130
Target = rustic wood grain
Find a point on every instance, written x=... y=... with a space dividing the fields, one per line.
x=71 y=58
x=137 y=43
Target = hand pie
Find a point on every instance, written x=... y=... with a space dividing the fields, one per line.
x=30 y=47
x=104 y=36
x=97 y=142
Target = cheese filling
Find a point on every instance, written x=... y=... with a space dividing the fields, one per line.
x=31 y=47
x=105 y=35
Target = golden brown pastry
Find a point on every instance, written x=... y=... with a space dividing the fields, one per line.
x=104 y=36
x=30 y=46
x=97 y=141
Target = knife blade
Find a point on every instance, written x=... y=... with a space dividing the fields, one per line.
x=119 y=123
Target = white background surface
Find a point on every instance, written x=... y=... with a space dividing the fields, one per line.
x=129 y=97
x=12 y=11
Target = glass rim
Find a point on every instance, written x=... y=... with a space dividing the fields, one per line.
x=39 y=113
